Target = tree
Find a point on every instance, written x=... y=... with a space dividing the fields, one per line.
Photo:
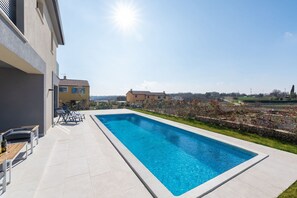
x=292 y=92
x=121 y=98
x=276 y=93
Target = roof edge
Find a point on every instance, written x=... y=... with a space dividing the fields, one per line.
x=55 y=15
x=57 y=10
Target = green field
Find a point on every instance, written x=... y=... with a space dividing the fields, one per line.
x=266 y=99
x=291 y=192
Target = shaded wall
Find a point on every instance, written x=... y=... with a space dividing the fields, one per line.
x=21 y=99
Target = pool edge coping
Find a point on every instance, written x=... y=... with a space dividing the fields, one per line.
x=154 y=186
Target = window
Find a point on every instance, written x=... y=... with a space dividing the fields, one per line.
x=74 y=90
x=39 y=8
x=135 y=96
x=63 y=89
x=82 y=91
x=77 y=90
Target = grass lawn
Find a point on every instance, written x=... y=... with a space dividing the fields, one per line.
x=256 y=99
x=267 y=99
x=291 y=192
x=273 y=143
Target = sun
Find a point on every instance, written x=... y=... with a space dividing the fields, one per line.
x=125 y=16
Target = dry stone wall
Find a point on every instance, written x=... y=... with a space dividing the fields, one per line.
x=241 y=127
x=262 y=131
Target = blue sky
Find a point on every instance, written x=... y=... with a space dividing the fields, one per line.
x=181 y=46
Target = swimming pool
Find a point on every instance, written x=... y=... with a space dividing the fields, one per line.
x=180 y=159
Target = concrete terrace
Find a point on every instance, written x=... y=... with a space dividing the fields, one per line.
x=79 y=161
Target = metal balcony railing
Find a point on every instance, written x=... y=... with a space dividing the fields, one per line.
x=9 y=8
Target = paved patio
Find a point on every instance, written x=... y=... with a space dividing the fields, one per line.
x=79 y=161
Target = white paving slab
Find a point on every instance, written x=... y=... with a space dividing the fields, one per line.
x=79 y=161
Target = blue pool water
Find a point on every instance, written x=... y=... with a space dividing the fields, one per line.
x=179 y=159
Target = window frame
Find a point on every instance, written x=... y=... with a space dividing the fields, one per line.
x=40 y=10
x=79 y=90
x=63 y=87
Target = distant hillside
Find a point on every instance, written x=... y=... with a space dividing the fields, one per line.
x=206 y=96
x=109 y=98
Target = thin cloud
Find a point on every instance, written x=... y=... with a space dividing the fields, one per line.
x=290 y=37
x=148 y=85
x=168 y=87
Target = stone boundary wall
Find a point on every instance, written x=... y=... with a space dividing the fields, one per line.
x=259 y=130
x=262 y=131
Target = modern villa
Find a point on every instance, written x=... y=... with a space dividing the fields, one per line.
x=30 y=33
x=142 y=96
x=166 y=148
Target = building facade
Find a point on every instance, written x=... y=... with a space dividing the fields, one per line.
x=145 y=96
x=74 y=93
x=30 y=33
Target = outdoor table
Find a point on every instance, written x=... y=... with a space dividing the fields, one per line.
x=8 y=157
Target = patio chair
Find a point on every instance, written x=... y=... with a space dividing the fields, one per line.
x=66 y=116
x=23 y=134
x=74 y=113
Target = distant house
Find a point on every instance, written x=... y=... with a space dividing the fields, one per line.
x=144 y=96
x=75 y=93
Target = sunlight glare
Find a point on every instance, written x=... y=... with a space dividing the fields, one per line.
x=125 y=16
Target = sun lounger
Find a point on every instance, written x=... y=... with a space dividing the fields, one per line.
x=67 y=117
x=74 y=113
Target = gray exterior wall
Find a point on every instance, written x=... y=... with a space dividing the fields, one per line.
x=28 y=47
x=22 y=99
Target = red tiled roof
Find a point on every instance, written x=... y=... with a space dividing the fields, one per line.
x=72 y=82
x=140 y=92
x=147 y=93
